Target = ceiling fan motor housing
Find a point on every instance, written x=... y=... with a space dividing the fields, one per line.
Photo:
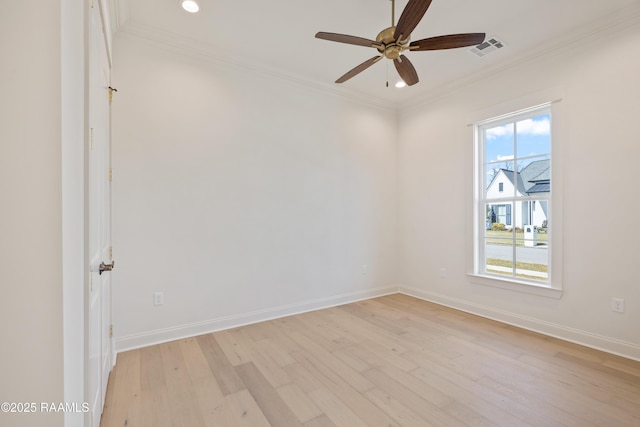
x=391 y=48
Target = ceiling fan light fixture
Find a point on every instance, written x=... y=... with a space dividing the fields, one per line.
x=400 y=84
x=190 y=6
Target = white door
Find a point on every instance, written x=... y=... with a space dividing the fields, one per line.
x=99 y=218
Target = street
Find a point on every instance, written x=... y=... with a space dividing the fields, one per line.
x=535 y=255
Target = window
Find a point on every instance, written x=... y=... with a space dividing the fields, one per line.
x=513 y=197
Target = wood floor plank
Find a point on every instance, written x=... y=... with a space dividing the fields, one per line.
x=244 y=411
x=392 y=357
x=299 y=402
x=235 y=345
x=227 y=377
x=329 y=364
x=151 y=368
x=357 y=363
x=337 y=386
x=424 y=399
x=365 y=312
x=267 y=363
x=110 y=397
x=325 y=337
x=211 y=402
x=184 y=409
x=276 y=351
x=330 y=367
x=124 y=409
x=194 y=359
x=389 y=361
x=335 y=409
x=271 y=404
x=155 y=408
x=371 y=331
x=303 y=378
x=404 y=415
x=321 y=421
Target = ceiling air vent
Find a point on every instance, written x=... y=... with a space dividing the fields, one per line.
x=490 y=45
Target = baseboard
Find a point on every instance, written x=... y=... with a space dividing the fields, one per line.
x=159 y=336
x=598 y=342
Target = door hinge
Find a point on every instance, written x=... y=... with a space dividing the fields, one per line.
x=111 y=90
x=110 y=174
x=111 y=331
x=91 y=139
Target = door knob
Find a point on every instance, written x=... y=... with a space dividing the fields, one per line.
x=106 y=267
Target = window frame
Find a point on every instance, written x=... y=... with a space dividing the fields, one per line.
x=477 y=274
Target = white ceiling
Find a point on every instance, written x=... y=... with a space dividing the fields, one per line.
x=277 y=36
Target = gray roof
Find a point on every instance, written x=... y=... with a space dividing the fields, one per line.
x=534 y=178
x=540 y=187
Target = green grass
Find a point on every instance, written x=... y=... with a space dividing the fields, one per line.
x=519 y=265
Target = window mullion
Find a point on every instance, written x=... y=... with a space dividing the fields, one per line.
x=514 y=196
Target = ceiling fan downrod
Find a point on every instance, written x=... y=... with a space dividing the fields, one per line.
x=393 y=13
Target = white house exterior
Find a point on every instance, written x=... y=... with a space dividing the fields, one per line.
x=533 y=180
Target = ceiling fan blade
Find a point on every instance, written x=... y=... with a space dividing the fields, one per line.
x=406 y=70
x=411 y=16
x=451 y=41
x=360 y=68
x=343 y=38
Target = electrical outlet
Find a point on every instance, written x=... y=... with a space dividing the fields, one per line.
x=158 y=298
x=364 y=269
x=443 y=272
x=617 y=304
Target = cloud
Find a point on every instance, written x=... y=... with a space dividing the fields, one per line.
x=525 y=127
x=505 y=158
x=534 y=127
x=494 y=133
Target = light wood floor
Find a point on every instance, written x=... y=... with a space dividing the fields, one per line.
x=389 y=361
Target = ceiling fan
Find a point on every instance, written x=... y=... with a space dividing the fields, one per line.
x=393 y=41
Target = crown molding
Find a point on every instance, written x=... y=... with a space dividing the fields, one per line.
x=197 y=49
x=581 y=37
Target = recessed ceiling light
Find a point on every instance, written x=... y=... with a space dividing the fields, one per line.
x=400 y=84
x=190 y=5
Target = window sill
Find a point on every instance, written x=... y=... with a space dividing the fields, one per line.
x=516 y=285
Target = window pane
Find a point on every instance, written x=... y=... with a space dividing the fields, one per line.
x=499 y=144
x=532 y=257
x=499 y=182
x=533 y=177
x=499 y=217
x=499 y=252
x=533 y=136
x=532 y=212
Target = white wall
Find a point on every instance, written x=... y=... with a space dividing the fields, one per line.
x=31 y=322
x=241 y=196
x=597 y=129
